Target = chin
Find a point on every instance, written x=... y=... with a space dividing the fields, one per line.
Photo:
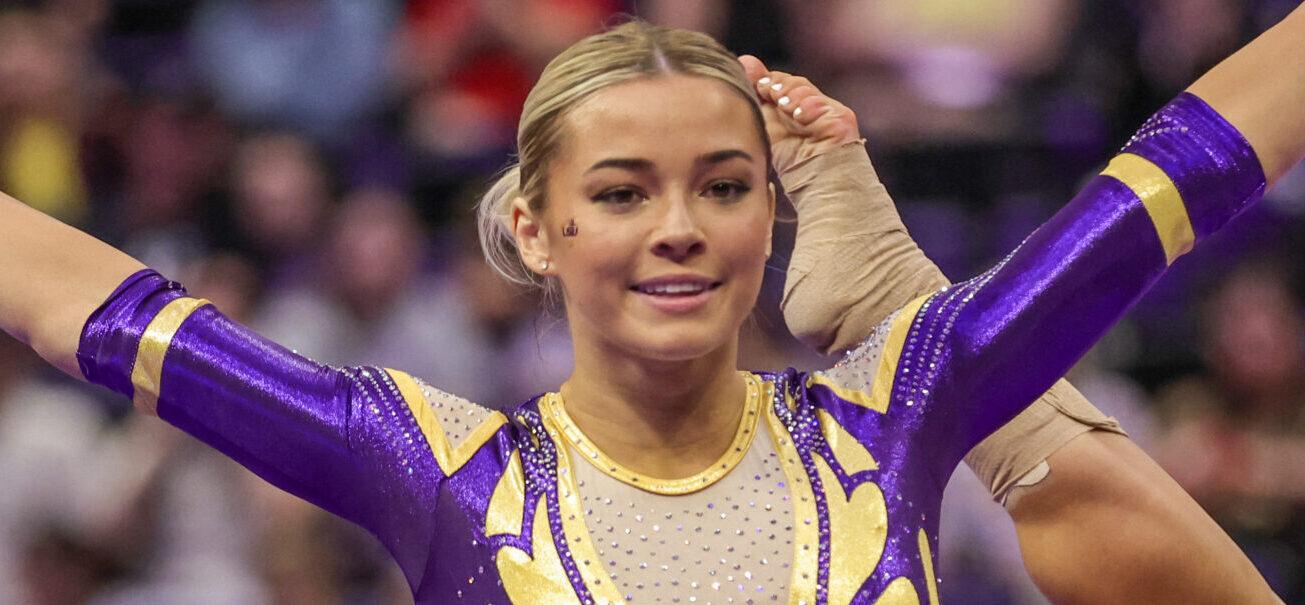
x=684 y=342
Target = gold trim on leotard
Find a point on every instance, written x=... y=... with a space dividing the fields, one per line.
x=926 y=559
x=449 y=456
x=584 y=552
x=554 y=413
x=858 y=530
x=506 y=503
x=882 y=388
x=538 y=577
x=805 y=578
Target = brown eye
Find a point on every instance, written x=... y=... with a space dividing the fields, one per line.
x=726 y=190
x=619 y=196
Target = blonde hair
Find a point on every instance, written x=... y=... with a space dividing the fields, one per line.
x=628 y=52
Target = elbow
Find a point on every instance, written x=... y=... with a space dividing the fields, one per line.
x=809 y=318
x=56 y=339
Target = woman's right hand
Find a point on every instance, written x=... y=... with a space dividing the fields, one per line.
x=801 y=121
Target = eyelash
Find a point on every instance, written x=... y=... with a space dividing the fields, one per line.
x=610 y=196
x=626 y=195
x=735 y=190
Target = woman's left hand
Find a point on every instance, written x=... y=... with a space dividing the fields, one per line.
x=800 y=120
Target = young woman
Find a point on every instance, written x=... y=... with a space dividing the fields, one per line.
x=658 y=471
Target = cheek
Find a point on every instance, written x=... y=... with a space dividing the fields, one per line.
x=600 y=251
x=743 y=241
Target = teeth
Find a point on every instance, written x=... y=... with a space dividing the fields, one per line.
x=673 y=288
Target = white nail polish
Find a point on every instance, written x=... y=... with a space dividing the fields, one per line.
x=764 y=81
x=783 y=101
x=776 y=86
x=796 y=112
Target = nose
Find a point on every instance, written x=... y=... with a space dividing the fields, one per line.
x=678 y=237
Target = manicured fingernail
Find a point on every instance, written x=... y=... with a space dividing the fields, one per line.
x=776 y=86
x=796 y=112
x=764 y=81
x=783 y=101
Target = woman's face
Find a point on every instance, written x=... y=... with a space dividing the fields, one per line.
x=665 y=181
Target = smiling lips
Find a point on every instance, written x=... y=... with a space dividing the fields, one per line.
x=676 y=294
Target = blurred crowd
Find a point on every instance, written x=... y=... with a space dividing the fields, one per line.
x=311 y=167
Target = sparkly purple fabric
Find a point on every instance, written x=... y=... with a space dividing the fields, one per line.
x=912 y=493
x=1214 y=167
x=342 y=438
x=975 y=355
x=107 y=349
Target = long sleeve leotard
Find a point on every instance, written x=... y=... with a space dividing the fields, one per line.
x=835 y=500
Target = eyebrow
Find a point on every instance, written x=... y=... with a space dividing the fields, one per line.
x=642 y=165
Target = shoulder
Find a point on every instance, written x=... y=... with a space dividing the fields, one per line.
x=454 y=427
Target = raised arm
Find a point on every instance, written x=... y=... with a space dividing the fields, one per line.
x=990 y=345
x=364 y=443
x=1068 y=523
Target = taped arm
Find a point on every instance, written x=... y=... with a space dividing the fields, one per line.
x=363 y=443
x=980 y=351
x=853 y=261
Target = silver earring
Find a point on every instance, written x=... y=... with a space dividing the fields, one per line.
x=544 y=265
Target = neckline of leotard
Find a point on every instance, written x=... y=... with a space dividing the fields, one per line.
x=555 y=413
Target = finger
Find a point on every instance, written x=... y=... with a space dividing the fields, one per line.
x=765 y=84
x=792 y=99
x=753 y=67
x=770 y=84
x=811 y=108
x=782 y=83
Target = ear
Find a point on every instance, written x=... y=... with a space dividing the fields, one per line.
x=531 y=236
x=770 y=234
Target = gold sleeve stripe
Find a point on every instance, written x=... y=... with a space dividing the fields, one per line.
x=147 y=371
x=1161 y=198
x=450 y=457
x=882 y=389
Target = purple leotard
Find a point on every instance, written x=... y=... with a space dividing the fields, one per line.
x=490 y=511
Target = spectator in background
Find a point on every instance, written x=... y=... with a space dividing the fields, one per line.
x=370 y=301
x=69 y=484
x=468 y=65
x=1236 y=434
x=170 y=159
x=41 y=106
x=1181 y=39
x=934 y=70
x=280 y=196
x=313 y=66
x=39 y=470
